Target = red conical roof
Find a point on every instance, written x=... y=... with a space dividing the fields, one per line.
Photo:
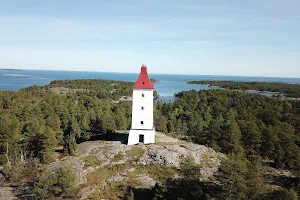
x=143 y=82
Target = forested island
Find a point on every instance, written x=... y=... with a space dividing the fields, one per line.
x=96 y=87
x=289 y=90
x=258 y=136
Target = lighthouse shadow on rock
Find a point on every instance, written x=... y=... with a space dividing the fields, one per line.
x=142 y=128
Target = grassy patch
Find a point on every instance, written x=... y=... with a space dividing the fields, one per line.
x=103 y=142
x=207 y=160
x=118 y=157
x=135 y=152
x=113 y=191
x=133 y=182
x=164 y=143
x=90 y=161
x=157 y=172
x=117 y=190
x=98 y=175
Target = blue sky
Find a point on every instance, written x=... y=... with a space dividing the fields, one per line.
x=254 y=37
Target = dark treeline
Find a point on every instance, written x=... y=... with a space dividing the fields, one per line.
x=290 y=90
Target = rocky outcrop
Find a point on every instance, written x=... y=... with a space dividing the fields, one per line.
x=167 y=152
x=145 y=181
x=87 y=191
x=7 y=193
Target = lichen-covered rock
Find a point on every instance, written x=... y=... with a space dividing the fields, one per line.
x=87 y=191
x=207 y=172
x=171 y=154
x=116 y=178
x=146 y=181
x=109 y=150
x=157 y=154
x=7 y=193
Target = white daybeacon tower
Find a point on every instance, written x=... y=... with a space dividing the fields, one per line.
x=142 y=128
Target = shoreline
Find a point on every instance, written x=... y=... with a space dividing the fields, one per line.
x=17 y=75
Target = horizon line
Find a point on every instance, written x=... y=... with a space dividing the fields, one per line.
x=254 y=76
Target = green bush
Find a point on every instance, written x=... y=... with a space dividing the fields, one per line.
x=51 y=184
x=23 y=170
x=282 y=194
x=188 y=169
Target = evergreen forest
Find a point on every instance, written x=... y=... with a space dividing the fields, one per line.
x=252 y=130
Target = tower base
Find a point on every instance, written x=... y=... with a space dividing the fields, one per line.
x=138 y=135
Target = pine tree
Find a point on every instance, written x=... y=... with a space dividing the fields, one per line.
x=232 y=175
x=252 y=139
x=231 y=135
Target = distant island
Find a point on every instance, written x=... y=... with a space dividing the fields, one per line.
x=154 y=80
x=289 y=90
x=16 y=75
x=115 y=90
x=10 y=69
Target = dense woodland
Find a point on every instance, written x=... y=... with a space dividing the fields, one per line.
x=251 y=129
x=290 y=90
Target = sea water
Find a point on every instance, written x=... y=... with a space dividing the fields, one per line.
x=168 y=84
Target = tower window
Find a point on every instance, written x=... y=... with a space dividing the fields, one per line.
x=143 y=82
x=142 y=122
x=143 y=95
x=142 y=107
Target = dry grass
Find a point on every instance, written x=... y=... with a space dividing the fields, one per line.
x=208 y=160
x=186 y=147
x=157 y=172
x=103 y=142
x=98 y=175
x=135 y=152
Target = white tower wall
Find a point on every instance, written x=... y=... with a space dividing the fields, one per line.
x=142 y=109
x=142 y=117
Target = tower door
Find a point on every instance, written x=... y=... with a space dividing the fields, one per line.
x=141 y=138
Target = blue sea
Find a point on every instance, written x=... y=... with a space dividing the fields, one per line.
x=168 y=83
